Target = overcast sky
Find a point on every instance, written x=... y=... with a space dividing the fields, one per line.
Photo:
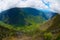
x=53 y=5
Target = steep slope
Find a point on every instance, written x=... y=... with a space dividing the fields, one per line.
x=55 y=26
x=52 y=26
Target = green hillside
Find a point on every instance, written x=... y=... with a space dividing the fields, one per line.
x=48 y=31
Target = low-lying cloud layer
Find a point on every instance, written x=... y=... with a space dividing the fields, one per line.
x=52 y=5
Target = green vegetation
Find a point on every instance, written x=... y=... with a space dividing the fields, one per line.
x=33 y=30
x=48 y=36
x=58 y=37
x=32 y=23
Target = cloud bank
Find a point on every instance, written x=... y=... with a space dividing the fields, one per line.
x=52 y=5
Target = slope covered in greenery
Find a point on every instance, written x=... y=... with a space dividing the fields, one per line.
x=51 y=33
x=33 y=26
x=21 y=19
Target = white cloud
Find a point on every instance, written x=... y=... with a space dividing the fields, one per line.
x=55 y=5
x=38 y=4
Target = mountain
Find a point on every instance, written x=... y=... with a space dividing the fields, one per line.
x=53 y=29
x=29 y=16
x=25 y=16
